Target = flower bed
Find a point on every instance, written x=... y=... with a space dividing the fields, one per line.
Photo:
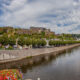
x=11 y=74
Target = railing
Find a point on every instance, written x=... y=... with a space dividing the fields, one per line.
x=5 y=56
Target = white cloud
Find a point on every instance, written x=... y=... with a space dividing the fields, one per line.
x=26 y=13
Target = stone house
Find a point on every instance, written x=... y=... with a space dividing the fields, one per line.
x=36 y=30
x=40 y=29
x=23 y=31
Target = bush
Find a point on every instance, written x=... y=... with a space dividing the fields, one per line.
x=38 y=43
x=10 y=48
x=61 y=43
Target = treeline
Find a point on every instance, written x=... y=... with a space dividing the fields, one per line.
x=76 y=35
x=62 y=43
x=5 y=40
x=34 y=42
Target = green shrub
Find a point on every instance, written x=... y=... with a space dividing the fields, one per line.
x=60 y=43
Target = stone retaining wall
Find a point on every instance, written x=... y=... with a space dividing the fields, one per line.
x=37 y=55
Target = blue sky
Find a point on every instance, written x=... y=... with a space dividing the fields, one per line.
x=61 y=16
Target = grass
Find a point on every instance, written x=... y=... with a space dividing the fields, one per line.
x=29 y=57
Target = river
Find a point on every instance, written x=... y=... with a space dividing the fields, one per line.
x=65 y=66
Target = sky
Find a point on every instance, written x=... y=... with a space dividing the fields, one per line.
x=61 y=16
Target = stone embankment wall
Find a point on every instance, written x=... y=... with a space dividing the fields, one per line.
x=31 y=56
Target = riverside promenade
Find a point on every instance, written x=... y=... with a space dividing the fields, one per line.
x=16 y=55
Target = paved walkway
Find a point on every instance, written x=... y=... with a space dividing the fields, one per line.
x=9 y=55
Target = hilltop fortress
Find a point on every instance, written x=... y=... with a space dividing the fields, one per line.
x=32 y=30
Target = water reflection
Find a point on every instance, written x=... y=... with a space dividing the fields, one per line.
x=65 y=66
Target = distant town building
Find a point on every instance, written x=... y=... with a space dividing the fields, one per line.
x=33 y=30
x=36 y=29
x=40 y=29
x=23 y=31
x=6 y=29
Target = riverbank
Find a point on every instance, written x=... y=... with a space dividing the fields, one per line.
x=19 y=55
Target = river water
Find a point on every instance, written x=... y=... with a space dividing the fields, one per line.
x=63 y=67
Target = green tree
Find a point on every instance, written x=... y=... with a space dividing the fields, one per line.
x=34 y=42
x=12 y=40
x=4 y=40
x=21 y=41
x=43 y=42
x=28 y=41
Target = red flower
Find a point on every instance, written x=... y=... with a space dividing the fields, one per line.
x=12 y=74
x=1 y=78
x=5 y=78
